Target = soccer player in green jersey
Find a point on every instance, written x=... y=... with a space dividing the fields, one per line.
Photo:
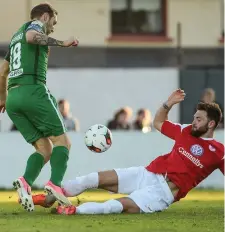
x=30 y=105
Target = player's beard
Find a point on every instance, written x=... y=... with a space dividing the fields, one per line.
x=49 y=28
x=200 y=131
x=48 y=31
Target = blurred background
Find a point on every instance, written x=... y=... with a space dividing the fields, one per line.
x=132 y=55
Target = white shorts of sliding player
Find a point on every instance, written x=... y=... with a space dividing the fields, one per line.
x=148 y=190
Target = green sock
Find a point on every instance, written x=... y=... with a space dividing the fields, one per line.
x=58 y=161
x=34 y=165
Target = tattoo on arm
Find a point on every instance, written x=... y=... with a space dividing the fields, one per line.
x=165 y=106
x=43 y=39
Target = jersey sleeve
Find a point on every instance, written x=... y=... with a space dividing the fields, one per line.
x=171 y=130
x=7 y=56
x=36 y=26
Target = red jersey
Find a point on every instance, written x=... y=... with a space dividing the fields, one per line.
x=191 y=159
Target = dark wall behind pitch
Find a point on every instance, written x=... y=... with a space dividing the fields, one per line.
x=100 y=57
x=194 y=81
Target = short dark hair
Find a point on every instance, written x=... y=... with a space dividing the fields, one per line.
x=213 y=111
x=42 y=8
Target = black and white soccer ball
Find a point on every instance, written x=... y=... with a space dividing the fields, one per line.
x=98 y=138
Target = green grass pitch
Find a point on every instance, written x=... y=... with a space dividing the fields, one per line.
x=201 y=211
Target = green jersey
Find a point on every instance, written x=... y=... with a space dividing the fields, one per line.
x=28 y=62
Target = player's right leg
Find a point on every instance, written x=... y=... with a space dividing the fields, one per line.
x=107 y=180
x=33 y=168
x=124 y=180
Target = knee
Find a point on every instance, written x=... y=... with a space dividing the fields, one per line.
x=129 y=206
x=67 y=144
x=61 y=140
x=44 y=147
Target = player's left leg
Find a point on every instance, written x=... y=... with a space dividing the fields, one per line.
x=107 y=180
x=122 y=205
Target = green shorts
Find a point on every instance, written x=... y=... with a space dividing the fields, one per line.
x=34 y=112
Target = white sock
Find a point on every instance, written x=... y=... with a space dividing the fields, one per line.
x=108 y=207
x=77 y=186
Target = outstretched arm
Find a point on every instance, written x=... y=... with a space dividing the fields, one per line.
x=35 y=37
x=162 y=113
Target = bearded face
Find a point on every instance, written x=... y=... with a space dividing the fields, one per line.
x=199 y=131
x=200 y=124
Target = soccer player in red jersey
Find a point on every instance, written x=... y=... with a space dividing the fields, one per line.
x=167 y=179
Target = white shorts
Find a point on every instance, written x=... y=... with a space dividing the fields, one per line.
x=148 y=190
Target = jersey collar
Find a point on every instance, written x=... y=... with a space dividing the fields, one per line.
x=207 y=138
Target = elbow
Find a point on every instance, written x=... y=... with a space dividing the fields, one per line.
x=156 y=121
x=3 y=76
x=4 y=70
x=157 y=124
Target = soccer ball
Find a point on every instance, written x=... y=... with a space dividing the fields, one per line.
x=98 y=138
